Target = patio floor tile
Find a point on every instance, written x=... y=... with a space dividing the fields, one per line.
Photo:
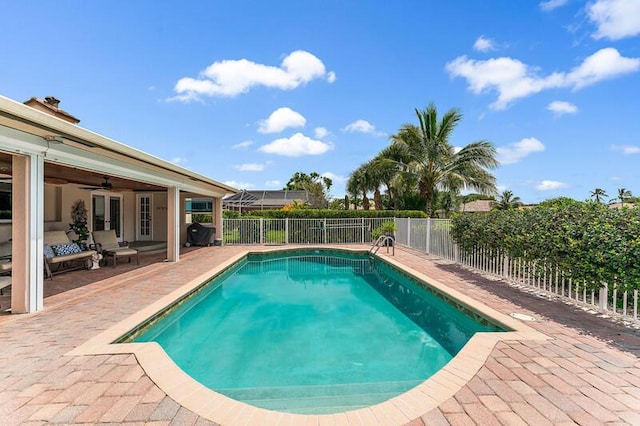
x=588 y=373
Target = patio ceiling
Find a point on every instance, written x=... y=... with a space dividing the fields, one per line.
x=59 y=174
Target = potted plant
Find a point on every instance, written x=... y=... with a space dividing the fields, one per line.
x=387 y=228
x=79 y=225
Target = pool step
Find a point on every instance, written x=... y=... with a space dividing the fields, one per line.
x=320 y=399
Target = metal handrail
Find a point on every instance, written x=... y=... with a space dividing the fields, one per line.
x=383 y=240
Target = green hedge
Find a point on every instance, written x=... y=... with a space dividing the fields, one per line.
x=588 y=240
x=332 y=214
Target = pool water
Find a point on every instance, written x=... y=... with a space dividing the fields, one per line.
x=312 y=332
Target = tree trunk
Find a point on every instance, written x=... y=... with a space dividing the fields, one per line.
x=427 y=193
x=377 y=199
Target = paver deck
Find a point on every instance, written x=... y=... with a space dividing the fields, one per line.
x=588 y=373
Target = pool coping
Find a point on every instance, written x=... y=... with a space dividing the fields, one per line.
x=223 y=410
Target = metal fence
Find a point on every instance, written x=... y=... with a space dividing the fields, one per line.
x=300 y=231
x=432 y=236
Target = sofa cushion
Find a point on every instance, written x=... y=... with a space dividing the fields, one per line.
x=56 y=237
x=76 y=256
x=5 y=249
x=66 y=249
x=48 y=251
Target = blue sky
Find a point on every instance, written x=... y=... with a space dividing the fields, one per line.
x=250 y=92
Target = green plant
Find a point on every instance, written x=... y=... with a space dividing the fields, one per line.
x=332 y=214
x=386 y=228
x=79 y=225
x=591 y=243
x=202 y=218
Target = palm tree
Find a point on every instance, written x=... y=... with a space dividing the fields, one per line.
x=357 y=184
x=598 y=194
x=623 y=195
x=429 y=155
x=447 y=202
x=506 y=201
x=373 y=178
x=387 y=165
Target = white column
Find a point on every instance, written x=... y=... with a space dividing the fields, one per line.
x=27 y=229
x=217 y=220
x=173 y=224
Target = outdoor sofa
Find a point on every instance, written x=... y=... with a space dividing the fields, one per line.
x=61 y=254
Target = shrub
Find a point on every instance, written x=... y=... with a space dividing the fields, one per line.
x=332 y=214
x=590 y=242
x=386 y=228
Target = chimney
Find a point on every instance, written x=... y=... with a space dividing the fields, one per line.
x=53 y=101
x=51 y=105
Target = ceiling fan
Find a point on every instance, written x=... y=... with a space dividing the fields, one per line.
x=106 y=186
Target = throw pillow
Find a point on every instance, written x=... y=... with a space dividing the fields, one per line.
x=65 y=249
x=48 y=251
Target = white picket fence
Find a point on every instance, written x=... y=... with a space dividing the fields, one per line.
x=432 y=236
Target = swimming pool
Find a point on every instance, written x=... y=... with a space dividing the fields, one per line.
x=312 y=331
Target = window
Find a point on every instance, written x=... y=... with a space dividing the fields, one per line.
x=5 y=202
x=199 y=210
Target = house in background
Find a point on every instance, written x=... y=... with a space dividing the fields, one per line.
x=264 y=199
x=48 y=162
x=477 y=206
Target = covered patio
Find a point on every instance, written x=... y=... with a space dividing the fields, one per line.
x=48 y=163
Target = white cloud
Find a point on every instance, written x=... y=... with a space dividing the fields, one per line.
x=550 y=5
x=321 y=132
x=229 y=78
x=615 y=19
x=484 y=44
x=513 y=79
x=519 y=150
x=335 y=178
x=362 y=126
x=281 y=119
x=239 y=185
x=242 y=145
x=178 y=160
x=626 y=149
x=602 y=65
x=250 y=167
x=548 y=185
x=562 y=107
x=296 y=146
x=273 y=183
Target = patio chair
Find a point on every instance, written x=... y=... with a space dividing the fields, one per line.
x=5 y=265
x=106 y=242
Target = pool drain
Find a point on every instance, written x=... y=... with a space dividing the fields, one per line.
x=522 y=317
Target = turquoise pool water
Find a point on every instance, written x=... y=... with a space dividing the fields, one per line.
x=312 y=332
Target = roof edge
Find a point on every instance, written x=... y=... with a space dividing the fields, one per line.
x=58 y=125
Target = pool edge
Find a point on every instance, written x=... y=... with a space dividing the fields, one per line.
x=223 y=410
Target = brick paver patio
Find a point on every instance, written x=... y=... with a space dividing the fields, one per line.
x=589 y=373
